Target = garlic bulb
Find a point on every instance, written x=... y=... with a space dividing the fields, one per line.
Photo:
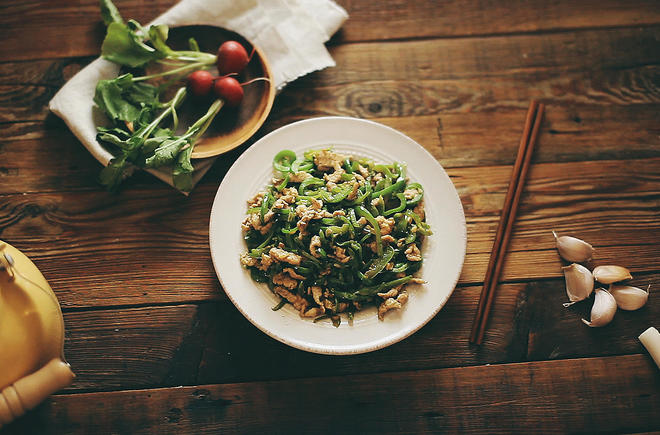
x=579 y=283
x=603 y=310
x=611 y=274
x=573 y=249
x=629 y=298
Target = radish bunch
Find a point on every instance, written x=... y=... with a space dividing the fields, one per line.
x=232 y=58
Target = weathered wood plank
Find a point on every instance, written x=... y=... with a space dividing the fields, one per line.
x=189 y=344
x=149 y=234
x=424 y=77
x=578 y=395
x=63 y=29
x=456 y=139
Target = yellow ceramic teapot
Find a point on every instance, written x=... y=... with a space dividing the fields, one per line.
x=32 y=364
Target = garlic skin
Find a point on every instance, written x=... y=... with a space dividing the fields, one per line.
x=579 y=283
x=611 y=274
x=573 y=249
x=629 y=298
x=603 y=310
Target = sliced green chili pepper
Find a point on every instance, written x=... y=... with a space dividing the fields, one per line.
x=353 y=219
x=279 y=305
x=372 y=221
x=347 y=166
x=346 y=221
x=335 y=230
x=400 y=208
x=362 y=196
x=410 y=238
x=313 y=181
x=303 y=165
x=381 y=185
x=385 y=170
x=264 y=206
x=282 y=161
x=289 y=230
x=379 y=264
x=396 y=187
x=420 y=193
x=283 y=184
x=337 y=194
x=422 y=227
x=258 y=275
x=400 y=267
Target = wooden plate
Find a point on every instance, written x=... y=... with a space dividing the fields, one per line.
x=232 y=126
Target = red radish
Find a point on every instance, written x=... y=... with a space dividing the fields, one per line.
x=232 y=58
x=229 y=90
x=200 y=83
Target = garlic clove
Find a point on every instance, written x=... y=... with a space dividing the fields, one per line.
x=629 y=298
x=573 y=249
x=603 y=309
x=579 y=283
x=611 y=274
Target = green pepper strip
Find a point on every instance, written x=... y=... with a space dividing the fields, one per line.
x=347 y=166
x=337 y=195
x=283 y=184
x=380 y=206
x=259 y=249
x=383 y=184
x=402 y=222
x=362 y=197
x=264 y=206
x=328 y=221
x=396 y=187
x=422 y=227
x=258 y=276
x=289 y=230
x=346 y=221
x=353 y=218
x=401 y=169
x=420 y=193
x=379 y=264
x=410 y=238
x=372 y=221
x=310 y=182
x=366 y=293
x=336 y=231
x=385 y=170
x=400 y=208
x=301 y=165
x=353 y=246
x=279 y=305
x=309 y=155
x=311 y=258
x=400 y=267
x=282 y=161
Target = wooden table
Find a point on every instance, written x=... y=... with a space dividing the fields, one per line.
x=158 y=348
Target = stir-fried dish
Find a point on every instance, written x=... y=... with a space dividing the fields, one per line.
x=333 y=234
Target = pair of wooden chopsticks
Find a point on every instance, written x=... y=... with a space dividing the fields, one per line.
x=507 y=218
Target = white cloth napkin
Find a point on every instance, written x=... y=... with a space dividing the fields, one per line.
x=290 y=33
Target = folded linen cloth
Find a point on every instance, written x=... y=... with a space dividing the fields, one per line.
x=290 y=33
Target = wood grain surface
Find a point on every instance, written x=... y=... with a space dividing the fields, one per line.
x=145 y=313
x=547 y=396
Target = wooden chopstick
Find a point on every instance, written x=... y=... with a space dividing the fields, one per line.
x=507 y=219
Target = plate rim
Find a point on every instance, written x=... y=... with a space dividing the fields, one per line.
x=370 y=345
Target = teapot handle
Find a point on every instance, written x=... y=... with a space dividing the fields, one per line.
x=29 y=391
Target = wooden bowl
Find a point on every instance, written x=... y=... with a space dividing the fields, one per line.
x=233 y=125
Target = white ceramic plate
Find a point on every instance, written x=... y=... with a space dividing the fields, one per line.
x=443 y=252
